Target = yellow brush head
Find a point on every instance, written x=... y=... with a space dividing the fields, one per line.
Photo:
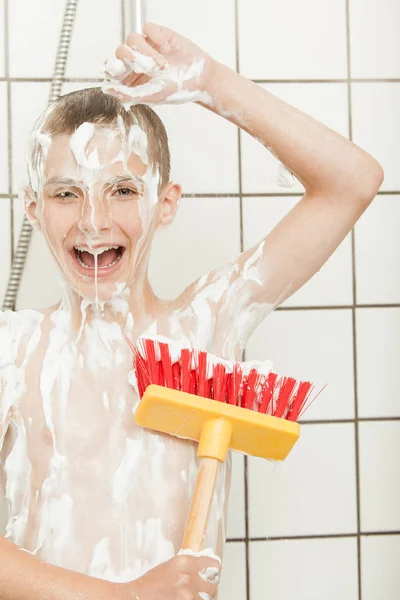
x=216 y=425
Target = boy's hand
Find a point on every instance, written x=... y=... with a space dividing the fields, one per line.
x=180 y=578
x=159 y=67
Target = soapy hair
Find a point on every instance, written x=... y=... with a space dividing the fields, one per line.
x=91 y=105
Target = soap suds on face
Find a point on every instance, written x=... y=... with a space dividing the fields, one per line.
x=89 y=165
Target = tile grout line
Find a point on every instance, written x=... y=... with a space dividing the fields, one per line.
x=277 y=194
x=9 y=123
x=354 y=323
x=321 y=536
x=258 y=81
x=245 y=459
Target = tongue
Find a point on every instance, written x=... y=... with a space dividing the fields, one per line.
x=104 y=259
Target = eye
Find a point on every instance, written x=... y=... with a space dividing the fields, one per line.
x=65 y=195
x=126 y=192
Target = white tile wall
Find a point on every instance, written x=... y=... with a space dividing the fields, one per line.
x=2 y=36
x=377 y=245
x=379 y=472
x=96 y=35
x=315 y=345
x=380 y=567
x=375 y=43
x=199 y=223
x=376 y=122
x=3 y=140
x=290 y=42
x=233 y=578
x=34 y=29
x=280 y=502
x=236 y=516
x=378 y=332
x=332 y=285
x=209 y=24
x=326 y=102
x=213 y=167
x=319 y=569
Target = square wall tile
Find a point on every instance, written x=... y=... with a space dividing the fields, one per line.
x=377 y=246
x=40 y=286
x=287 y=39
x=236 y=513
x=204 y=149
x=209 y=24
x=29 y=100
x=304 y=570
x=192 y=245
x=233 y=574
x=312 y=492
x=326 y=102
x=5 y=244
x=3 y=139
x=34 y=31
x=379 y=475
x=2 y=36
x=333 y=284
x=380 y=558
x=95 y=37
x=378 y=334
x=314 y=345
x=376 y=123
x=374 y=38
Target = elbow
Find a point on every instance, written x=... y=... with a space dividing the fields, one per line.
x=363 y=180
x=373 y=179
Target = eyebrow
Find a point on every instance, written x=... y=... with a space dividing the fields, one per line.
x=110 y=183
x=63 y=180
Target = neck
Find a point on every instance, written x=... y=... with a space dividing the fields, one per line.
x=136 y=303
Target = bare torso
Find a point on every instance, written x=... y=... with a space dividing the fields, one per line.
x=85 y=487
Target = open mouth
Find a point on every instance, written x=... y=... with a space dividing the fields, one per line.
x=107 y=258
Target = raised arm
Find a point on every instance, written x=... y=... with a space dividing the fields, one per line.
x=340 y=179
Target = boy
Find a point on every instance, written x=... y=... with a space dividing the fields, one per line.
x=87 y=490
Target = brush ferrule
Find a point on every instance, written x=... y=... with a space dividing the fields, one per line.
x=215 y=439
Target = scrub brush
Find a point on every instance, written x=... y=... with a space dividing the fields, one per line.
x=221 y=404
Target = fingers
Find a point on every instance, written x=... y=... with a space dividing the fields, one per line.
x=159 y=37
x=139 y=44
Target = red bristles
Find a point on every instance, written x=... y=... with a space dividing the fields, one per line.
x=267 y=393
x=219 y=382
x=224 y=381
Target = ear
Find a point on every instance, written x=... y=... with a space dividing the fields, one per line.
x=30 y=205
x=168 y=202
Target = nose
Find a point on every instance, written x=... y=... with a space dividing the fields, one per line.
x=95 y=216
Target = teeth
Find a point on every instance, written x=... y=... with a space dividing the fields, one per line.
x=95 y=251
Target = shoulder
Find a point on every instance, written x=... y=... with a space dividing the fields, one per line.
x=16 y=330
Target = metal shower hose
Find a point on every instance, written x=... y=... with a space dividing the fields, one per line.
x=55 y=91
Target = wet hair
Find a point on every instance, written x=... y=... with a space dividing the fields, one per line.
x=91 y=105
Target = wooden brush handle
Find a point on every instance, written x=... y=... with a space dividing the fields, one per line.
x=201 y=504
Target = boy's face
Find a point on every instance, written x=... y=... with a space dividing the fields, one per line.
x=98 y=207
